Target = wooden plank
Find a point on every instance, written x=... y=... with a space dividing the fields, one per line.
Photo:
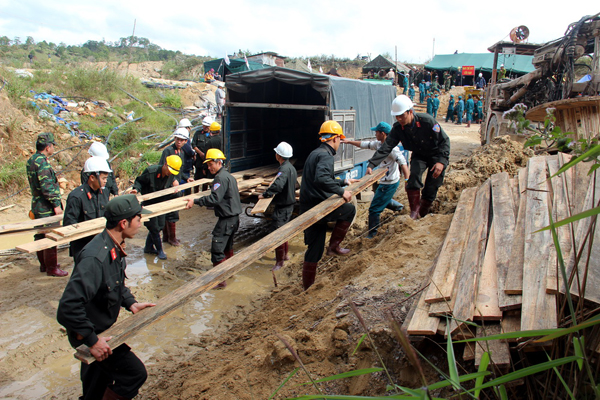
x=559 y=212
x=513 y=276
x=511 y=322
x=514 y=185
x=444 y=273
x=261 y=205
x=466 y=282
x=273 y=105
x=589 y=264
x=172 y=190
x=486 y=300
x=503 y=215
x=539 y=308
x=498 y=349
x=128 y=327
x=30 y=224
x=157 y=208
x=421 y=323
x=469 y=351
x=441 y=308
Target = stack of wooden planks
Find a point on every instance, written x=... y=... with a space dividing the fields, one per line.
x=497 y=269
x=59 y=235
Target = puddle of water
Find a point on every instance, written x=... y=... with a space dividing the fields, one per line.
x=10 y=240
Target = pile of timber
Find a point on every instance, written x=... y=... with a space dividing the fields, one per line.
x=59 y=235
x=496 y=269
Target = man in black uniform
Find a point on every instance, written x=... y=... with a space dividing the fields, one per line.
x=225 y=198
x=213 y=142
x=283 y=188
x=180 y=137
x=199 y=146
x=98 y=149
x=87 y=201
x=92 y=300
x=154 y=178
x=318 y=184
x=430 y=146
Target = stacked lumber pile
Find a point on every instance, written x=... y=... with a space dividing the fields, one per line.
x=59 y=235
x=496 y=270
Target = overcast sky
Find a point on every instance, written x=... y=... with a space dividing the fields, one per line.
x=294 y=28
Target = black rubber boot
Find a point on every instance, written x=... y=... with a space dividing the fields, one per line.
x=373 y=225
x=221 y=285
x=338 y=234
x=309 y=272
x=158 y=244
x=414 y=201
x=424 y=207
x=287 y=249
x=149 y=247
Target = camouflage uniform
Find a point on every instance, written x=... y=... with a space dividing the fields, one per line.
x=44 y=186
x=45 y=194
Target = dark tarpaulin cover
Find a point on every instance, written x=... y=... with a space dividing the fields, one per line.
x=483 y=62
x=372 y=102
x=235 y=65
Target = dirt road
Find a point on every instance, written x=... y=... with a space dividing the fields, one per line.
x=221 y=345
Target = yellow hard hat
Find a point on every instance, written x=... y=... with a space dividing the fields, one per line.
x=174 y=164
x=215 y=126
x=330 y=129
x=214 y=154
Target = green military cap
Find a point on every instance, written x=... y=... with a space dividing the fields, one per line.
x=123 y=207
x=46 y=138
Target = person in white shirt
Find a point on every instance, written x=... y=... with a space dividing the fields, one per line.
x=389 y=183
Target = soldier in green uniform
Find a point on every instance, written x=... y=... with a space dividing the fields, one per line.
x=88 y=201
x=225 y=198
x=93 y=299
x=154 y=178
x=283 y=188
x=45 y=200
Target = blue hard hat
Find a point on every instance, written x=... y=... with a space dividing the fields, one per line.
x=382 y=127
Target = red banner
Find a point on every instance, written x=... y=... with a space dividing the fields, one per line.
x=468 y=70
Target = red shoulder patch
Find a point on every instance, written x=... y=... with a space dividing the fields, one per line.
x=113 y=254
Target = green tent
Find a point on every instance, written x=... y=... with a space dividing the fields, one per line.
x=235 y=65
x=516 y=64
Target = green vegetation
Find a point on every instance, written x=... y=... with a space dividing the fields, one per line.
x=12 y=173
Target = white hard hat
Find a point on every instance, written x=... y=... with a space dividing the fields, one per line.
x=206 y=121
x=98 y=149
x=284 y=150
x=96 y=164
x=401 y=104
x=480 y=74
x=181 y=133
x=502 y=65
x=184 y=123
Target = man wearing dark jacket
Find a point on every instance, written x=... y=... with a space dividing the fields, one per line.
x=283 y=188
x=92 y=300
x=88 y=201
x=225 y=198
x=430 y=147
x=318 y=184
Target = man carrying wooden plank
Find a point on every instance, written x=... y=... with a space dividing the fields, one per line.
x=225 y=198
x=181 y=137
x=45 y=200
x=283 y=188
x=98 y=149
x=92 y=300
x=87 y=201
x=318 y=184
x=430 y=148
x=154 y=178
x=384 y=195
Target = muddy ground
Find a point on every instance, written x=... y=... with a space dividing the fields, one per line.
x=222 y=345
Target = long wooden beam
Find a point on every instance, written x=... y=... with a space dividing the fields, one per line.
x=80 y=230
x=127 y=328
